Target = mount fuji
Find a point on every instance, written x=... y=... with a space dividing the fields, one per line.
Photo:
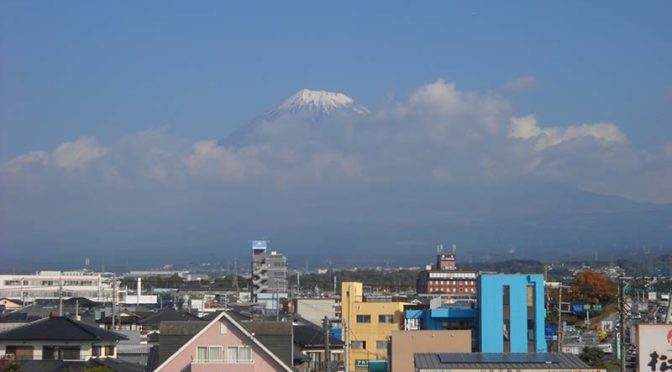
x=311 y=115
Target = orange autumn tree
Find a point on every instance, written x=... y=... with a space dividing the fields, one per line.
x=591 y=287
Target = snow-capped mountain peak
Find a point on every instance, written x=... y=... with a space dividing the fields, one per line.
x=319 y=101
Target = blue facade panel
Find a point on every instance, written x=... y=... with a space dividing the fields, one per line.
x=491 y=312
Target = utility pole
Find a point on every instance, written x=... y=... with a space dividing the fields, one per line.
x=669 y=308
x=621 y=316
x=347 y=347
x=560 y=318
x=60 y=295
x=114 y=300
x=327 y=348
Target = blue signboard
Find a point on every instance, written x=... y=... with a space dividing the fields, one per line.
x=259 y=244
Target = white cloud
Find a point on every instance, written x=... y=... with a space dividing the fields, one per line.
x=21 y=162
x=521 y=84
x=210 y=160
x=438 y=96
x=526 y=128
x=77 y=154
x=439 y=134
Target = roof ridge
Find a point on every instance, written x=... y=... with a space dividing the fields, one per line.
x=79 y=325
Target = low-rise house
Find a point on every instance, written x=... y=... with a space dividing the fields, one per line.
x=223 y=344
x=58 y=338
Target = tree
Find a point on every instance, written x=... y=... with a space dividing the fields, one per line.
x=593 y=356
x=100 y=369
x=593 y=288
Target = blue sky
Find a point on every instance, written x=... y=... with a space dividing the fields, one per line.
x=200 y=69
x=489 y=121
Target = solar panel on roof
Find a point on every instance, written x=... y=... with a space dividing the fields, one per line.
x=493 y=358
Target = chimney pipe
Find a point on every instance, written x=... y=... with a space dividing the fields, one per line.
x=139 y=291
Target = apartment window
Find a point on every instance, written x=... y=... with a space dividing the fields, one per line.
x=381 y=344
x=209 y=354
x=506 y=327
x=530 y=319
x=364 y=318
x=385 y=318
x=239 y=354
x=358 y=344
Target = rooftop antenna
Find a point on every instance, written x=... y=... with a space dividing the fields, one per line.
x=454 y=248
x=439 y=248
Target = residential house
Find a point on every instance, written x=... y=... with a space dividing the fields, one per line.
x=58 y=338
x=223 y=344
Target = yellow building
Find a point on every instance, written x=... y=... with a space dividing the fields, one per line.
x=370 y=324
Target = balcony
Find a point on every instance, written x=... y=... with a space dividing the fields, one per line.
x=221 y=366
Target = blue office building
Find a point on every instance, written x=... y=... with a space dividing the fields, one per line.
x=511 y=313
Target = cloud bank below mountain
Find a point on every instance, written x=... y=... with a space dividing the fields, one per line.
x=438 y=136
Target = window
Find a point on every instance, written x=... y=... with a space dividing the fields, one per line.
x=209 y=354
x=359 y=344
x=364 y=318
x=239 y=354
x=96 y=350
x=385 y=318
x=381 y=344
x=20 y=352
x=53 y=352
x=222 y=328
x=109 y=350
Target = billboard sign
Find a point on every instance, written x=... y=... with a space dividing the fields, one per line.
x=654 y=347
x=259 y=244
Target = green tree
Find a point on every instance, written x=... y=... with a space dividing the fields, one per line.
x=593 y=356
x=100 y=369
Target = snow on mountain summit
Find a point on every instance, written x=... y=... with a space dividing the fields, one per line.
x=318 y=101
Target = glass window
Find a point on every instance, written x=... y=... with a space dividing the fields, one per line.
x=381 y=344
x=96 y=350
x=385 y=318
x=359 y=344
x=206 y=354
x=239 y=354
x=364 y=318
x=245 y=354
x=202 y=354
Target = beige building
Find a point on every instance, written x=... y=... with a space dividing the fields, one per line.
x=404 y=344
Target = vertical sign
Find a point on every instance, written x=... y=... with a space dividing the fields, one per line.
x=654 y=347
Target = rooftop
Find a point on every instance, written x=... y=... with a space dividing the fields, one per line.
x=61 y=329
x=488 y=361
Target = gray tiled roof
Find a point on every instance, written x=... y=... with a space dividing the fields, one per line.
x=432 y=362
x=61 y=329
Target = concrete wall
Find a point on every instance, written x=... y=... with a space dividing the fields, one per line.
x=315 y=309
x=405 y=343
x=491 y=312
